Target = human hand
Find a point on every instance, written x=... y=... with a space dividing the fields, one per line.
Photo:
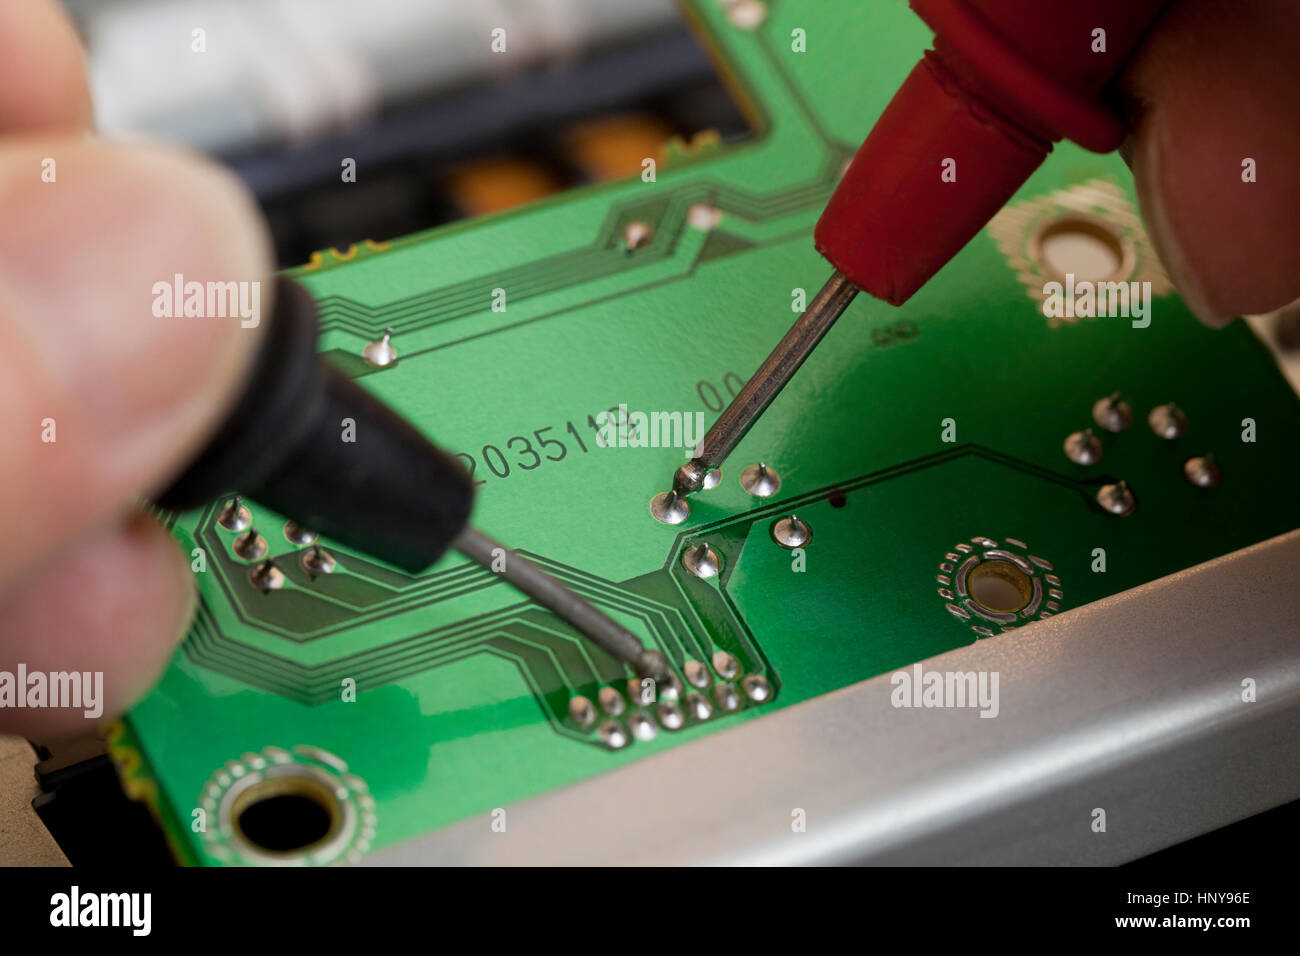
x=87 y=582
x=1215 y=83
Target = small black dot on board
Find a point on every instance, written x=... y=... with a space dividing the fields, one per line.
x=837 y=498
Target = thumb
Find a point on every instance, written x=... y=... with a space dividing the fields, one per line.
x=101 y=400
x=1214 y=92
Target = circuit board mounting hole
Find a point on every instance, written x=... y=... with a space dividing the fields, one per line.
x=287 y=815
x=999 y=586
x=1086 y=248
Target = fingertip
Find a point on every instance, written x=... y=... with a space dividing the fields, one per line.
x=135 y=389
x=114 y=606
x=42 y=69
x=1213 y=92
x=1165 y=218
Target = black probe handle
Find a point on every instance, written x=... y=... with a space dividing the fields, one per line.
x=310 y=443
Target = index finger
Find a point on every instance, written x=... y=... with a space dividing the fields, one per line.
x=42 y=69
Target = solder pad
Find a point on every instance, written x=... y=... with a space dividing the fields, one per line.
x=912 y=439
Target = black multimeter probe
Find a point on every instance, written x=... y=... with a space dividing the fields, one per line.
x=388 y=491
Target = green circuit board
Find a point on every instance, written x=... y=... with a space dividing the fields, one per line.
x=913 y=443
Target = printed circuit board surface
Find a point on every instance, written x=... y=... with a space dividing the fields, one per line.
x=922 y=448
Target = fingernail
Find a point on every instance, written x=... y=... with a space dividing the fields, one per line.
x=1164 y=235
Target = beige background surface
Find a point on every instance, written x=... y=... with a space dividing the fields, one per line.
x=24 y=841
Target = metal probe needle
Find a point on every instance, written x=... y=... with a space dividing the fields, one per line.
x=603 y=630
x=765 y=384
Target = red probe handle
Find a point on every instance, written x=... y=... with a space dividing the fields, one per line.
x=971 y=122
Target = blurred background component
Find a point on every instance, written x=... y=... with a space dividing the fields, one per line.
x=439 y=124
